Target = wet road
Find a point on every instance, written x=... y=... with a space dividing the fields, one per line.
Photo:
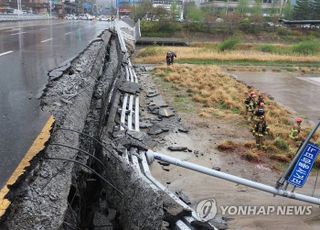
x=27 y=52
x=298 y=92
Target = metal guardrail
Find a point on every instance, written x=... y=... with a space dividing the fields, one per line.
x=130 y=108
x=13 y=18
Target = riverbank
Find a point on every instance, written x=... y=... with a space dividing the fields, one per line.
x=239 y=57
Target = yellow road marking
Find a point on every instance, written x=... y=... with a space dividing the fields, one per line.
x=36 y=147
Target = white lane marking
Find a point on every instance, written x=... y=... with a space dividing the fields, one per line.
x=68 y=33
x=19 y=33
x=5 y=53
x=49 y=39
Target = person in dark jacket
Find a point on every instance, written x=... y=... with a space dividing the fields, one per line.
x=260 y=130
x=170 y=57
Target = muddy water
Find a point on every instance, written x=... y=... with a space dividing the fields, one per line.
x=300 y=93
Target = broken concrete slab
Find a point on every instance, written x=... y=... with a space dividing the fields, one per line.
x=173 y=212
x=159 y=102
x=183 y=130
x=202 y=225
x=182 y=196
x=219 y=222
x=165 y=168
x=59 y=71
x=178 y=148
x=157 y=129
x=216 y=168
x=163 y=163
x=129 y=87
x=153 y=108
x=100 y=221
x=152 y=94
x=165 y=112
x=145 y=125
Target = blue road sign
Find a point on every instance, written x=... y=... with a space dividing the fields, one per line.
x=302 y=169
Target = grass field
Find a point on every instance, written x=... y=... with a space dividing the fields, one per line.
x=222 y=97
x=210 y=54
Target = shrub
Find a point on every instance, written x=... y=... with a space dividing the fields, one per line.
x=267 y=48
x=149 y=51
x=310 y=47
x=160 y=28
x=280 y=157
x=227 y=146
x=245 y=24
x=281 y=144
x=229 y=44
x=251 y=156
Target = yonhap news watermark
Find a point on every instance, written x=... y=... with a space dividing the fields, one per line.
x=207 y=209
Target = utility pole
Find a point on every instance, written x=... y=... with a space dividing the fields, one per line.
x=62 y=2
x=50 y=7
x=19 y=7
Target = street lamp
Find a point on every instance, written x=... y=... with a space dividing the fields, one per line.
x=19 y=6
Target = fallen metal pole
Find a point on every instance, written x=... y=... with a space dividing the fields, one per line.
x=225 y=176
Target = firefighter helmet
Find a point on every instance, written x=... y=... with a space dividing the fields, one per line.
x=298 y=120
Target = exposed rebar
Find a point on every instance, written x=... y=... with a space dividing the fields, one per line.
x=93 y=138
x=80 y=150
x=87 y=167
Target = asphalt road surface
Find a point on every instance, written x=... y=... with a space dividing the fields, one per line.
x=27 y=52
x=298 y=92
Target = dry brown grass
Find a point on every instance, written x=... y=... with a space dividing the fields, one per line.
x=252 y=156
x=280 y=157
x=222 y=96
x=228 y=146
x=204 y=54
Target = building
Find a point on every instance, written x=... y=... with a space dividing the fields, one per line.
x=231 y=5
x=86 y=6
x=167 y=4
x=30 y=6
x=70 y=7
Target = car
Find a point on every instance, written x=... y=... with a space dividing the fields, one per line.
x=90 y=17
x=104 y=18
x=69 y=17
x=83 y=17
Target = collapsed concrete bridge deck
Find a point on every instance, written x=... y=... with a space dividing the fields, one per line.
x=93 y=173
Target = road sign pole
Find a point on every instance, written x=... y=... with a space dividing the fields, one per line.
x=151 y=156
x=286 y=174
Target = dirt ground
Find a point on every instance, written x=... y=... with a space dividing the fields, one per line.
x=203 y=137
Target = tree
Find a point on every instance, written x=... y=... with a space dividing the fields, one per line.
x=257 y=11
x=287 y=11
x=174 y=10
x=243 y=7
x=302 y=10
x=159 y=12
x=315 y=5
x=141 y=10
x=193 y=13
